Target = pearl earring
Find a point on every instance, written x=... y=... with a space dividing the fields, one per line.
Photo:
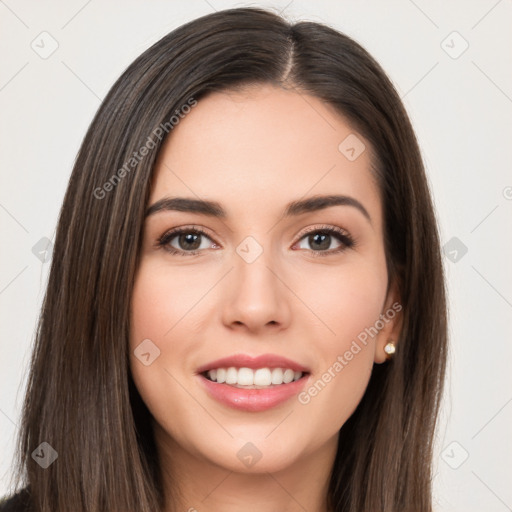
x=389 y=349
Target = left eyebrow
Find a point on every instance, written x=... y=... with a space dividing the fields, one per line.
x=321 y=202
x=214 y=209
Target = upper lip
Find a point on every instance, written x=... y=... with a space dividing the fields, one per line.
x=247 y=361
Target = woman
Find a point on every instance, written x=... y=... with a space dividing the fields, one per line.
x=246 y=306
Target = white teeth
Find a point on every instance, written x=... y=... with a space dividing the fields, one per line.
x=231 y=376
x=263 y=377
x=288 y=376
x=245 y=377
x=277 y=376
x=221 y=375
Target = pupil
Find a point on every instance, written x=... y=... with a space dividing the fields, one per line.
x=323 y=238
x=187 y=239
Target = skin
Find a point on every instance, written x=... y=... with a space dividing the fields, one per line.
x=254 y=151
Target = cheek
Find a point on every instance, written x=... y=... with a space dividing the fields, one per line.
x=348 y=302
x=345 y=299
x=162 y=300
x=157 y=305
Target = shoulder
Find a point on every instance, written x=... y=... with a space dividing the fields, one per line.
x=19 y=502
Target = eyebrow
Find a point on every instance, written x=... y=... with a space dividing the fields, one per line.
x=214 y=209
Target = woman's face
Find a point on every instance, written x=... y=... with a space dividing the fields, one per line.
x=263 y=280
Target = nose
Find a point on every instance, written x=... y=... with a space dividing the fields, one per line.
x=257 y=298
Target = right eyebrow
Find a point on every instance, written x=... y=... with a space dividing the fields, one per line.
x=185 y=204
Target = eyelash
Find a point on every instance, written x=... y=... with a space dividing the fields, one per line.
x=346 y=240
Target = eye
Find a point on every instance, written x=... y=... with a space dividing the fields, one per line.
x=320 y=240
x=190 y=241
x=185 y=241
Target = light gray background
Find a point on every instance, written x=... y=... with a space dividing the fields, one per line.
x=461 y=108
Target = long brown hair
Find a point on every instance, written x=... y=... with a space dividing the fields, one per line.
x=80 y=396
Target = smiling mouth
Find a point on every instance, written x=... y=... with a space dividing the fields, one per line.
x=253 y=389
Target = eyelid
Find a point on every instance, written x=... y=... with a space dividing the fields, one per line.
x=323 y=227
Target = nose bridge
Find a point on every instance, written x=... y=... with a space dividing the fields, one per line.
x=253 y=261
x=257 y=296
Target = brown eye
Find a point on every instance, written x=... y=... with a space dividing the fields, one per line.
x=185 y=241
x=320 y=241
x=326 y=241
x=190 y=241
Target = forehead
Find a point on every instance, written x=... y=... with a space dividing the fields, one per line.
x=257 y=149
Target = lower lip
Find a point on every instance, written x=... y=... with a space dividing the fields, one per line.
x=253 y=400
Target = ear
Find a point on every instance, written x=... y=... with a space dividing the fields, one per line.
x=390 y=324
